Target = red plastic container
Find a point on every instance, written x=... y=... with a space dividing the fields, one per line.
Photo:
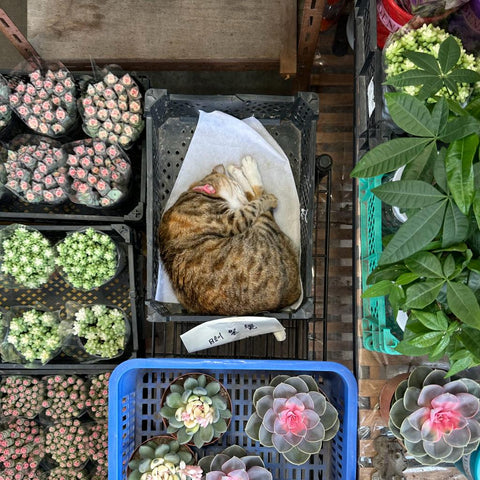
x=390 y=18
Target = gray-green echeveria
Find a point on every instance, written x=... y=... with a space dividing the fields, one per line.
x=234 y=463
x=293 y=416
x=436 y=418
x=196 y=410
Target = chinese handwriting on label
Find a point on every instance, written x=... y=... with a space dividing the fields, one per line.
x=250 y=326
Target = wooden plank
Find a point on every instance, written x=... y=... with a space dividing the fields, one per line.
x=288 y=53
x=334 y=119
x=337 y=79
x=176 y=32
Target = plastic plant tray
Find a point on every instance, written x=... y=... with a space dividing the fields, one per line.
x=136 y=387
x=170 y=125
x=122 y=291
x=380 y=331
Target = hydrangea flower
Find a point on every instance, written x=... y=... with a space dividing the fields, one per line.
x=104 y=329
x=87 y=258
x=27 y=256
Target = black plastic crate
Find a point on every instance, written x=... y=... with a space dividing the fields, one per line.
x=290 y=120
x=131 y=209
x=123 y=291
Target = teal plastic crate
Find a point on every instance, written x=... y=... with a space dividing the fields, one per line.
x=380 y=332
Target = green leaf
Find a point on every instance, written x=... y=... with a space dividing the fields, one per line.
x=425 y=264
x=410 y=114
x=463 y=75
x=462 y=364
x=390 y=156
x=470 y=337
x=451 y=86
x=410 y=77
x=396 y=299
x=448 y=54
x=422 y=166
x=389 y=272
x=440 y=115
x=427 y=339
x=463 y=304
x=408 y=193
x=449 y=266
x=378 y=290
x=431 y=321
x=459 y=167
x=473 y=108
x=420 y=295
x=424 y=61
x=174 y=400
x=430 y=89
x=406 y=348
x=415 y=233
x=460 y=127
x=439 y=349
x=476 y=207
x=455 y=226
x=406 y=278
x=474 y=265
x=439 y=170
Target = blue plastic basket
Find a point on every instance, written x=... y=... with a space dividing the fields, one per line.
x=136 y=387
x=378 y=326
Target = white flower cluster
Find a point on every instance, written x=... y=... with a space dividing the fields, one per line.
x=427 y=39
x=35 y=335
x=103 y=328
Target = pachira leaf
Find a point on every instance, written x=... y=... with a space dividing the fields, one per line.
x=460 y=127
x=470 y=338
x=473 y=108
x=406 y=348
x=411 y=77
x=474 y=265
x=422 y=294
x=396 y=299
x=429 y=89
x=406 y=278
x=440 y=347
x=417 y=232
x=410 y=114
x=425 y=264
x=422 y=166
x=440 y=115
x=463 y=303
x=467 y=361
x=425 y=61
x=380 y=289
x=388 y=272
x=427 y=339
x=408 y=193
x=439 y=170
x=476 y=207
x=455 y=225
x=449 y=266
x=431 y=320
x=464 y=75
x=459 y=167
x=390 y=156
x=448 y=54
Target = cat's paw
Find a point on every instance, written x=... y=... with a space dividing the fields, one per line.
x=250 y=170
x=270 y=201
x=237 y=174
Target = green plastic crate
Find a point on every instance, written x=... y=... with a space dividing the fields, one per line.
x=380 y=331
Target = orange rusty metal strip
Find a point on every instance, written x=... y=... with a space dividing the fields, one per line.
x=17 y=39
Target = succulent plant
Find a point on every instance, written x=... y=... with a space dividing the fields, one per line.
x=293 y=416
x=234 y=463
x=160 y=458
x=196 y=409
x=436 y=417
x=21 y=396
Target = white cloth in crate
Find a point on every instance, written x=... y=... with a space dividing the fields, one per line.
x=223 y=139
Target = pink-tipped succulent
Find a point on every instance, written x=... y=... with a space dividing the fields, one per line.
x=234 y=464
x=437 y=418
x=292 y=416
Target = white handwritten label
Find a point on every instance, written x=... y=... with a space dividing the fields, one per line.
x=230 y=329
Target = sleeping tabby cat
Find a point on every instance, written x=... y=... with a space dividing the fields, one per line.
x=223 y=250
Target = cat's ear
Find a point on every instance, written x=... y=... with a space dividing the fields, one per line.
x=219 y=169
x=207 y=188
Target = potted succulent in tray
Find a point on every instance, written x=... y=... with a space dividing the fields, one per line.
x=196 y=409
x=87 y=259
x=234 y=463
x=163 y=457
x=27 y=257
x=293 y=416
x=436 y=418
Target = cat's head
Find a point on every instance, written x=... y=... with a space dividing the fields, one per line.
x=217 y=184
